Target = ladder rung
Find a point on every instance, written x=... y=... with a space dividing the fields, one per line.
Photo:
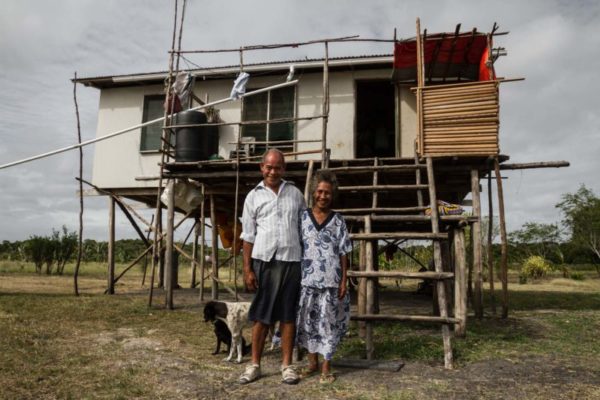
x=367 y=168
x=398 y=235
x=399 y=218
x=400 y=274
x=382 y=187
x=416 y=318
x=380 y=209
x=410 y=218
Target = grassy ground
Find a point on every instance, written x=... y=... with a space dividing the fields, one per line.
x=54 y=345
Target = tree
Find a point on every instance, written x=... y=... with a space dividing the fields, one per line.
x=581 y=216
x=535 y=239
x=65 y=246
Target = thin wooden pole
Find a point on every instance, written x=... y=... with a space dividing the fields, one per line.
x=503 y=240
x=325 y=107
x=80 y=234
x=169 y=259
x=202 y=244
x=460 y=283
x=157 y=254
x=362 y=286
x=476 y=237
x=146 y=257
x=111 y=246
x=195 y=253
x=215 y=250
x=370 y=298
x=309 y=173
x=490 y=253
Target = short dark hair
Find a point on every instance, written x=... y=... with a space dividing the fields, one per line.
x=324 y=176
x=276 y=151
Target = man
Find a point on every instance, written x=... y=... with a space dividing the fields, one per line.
x=272 y=253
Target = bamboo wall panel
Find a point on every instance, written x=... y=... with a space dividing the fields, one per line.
x=459 y=119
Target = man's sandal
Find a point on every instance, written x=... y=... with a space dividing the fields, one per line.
x=327 y=378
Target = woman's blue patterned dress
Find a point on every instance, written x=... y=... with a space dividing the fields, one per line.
x=322 y=317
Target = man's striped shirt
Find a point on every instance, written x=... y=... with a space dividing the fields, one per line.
x=272 y=222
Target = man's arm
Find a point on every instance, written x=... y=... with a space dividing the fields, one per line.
x=249 y=277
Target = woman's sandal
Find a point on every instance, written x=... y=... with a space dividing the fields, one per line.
x=305 y=372
x=327 y=378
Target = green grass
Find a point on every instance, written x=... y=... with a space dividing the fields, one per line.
x=55 y=345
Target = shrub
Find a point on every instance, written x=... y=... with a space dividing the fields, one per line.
x=534 y=267
x=577 y=276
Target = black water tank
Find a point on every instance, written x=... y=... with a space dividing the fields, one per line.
x=195 y=143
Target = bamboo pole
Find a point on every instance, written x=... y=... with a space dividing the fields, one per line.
x=503 y=240
x=476 y=237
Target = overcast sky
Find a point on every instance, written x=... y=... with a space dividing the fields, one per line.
x=552 y=115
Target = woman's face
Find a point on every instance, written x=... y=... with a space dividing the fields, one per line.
x=323 y=195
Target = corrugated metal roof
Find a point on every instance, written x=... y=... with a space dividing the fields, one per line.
x=232 y=70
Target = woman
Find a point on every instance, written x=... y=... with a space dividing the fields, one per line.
x=324 y=307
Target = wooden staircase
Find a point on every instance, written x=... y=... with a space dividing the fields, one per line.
x=378 y=225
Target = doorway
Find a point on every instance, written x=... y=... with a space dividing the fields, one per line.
x=375 y=119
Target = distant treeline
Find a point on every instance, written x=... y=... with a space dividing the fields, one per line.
x=51 y=253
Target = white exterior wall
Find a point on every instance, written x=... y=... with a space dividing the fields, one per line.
x=118 y=161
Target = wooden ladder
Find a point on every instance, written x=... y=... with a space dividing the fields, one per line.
x=369 y=237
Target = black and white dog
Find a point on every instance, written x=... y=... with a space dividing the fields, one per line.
x=223 y=335
x=235 y=317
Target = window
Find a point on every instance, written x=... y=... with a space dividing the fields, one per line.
x=153 y=109
x=270 y=105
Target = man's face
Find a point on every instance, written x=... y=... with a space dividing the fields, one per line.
x=272 y=170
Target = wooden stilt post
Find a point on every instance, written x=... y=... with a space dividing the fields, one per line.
x=476 y=237
x=362 y=286
x=215 y=251
x=460 y=283
x=490 y=253
x=370 y=300
x=111 y=246
x=195 y=253
x=470 y=267
x=503 y=240
x=169 y=259
x=437 y=259
x=202 y=245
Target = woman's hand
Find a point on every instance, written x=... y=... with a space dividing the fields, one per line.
x=342 y=290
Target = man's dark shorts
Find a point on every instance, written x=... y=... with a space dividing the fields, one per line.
x=278 y=289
